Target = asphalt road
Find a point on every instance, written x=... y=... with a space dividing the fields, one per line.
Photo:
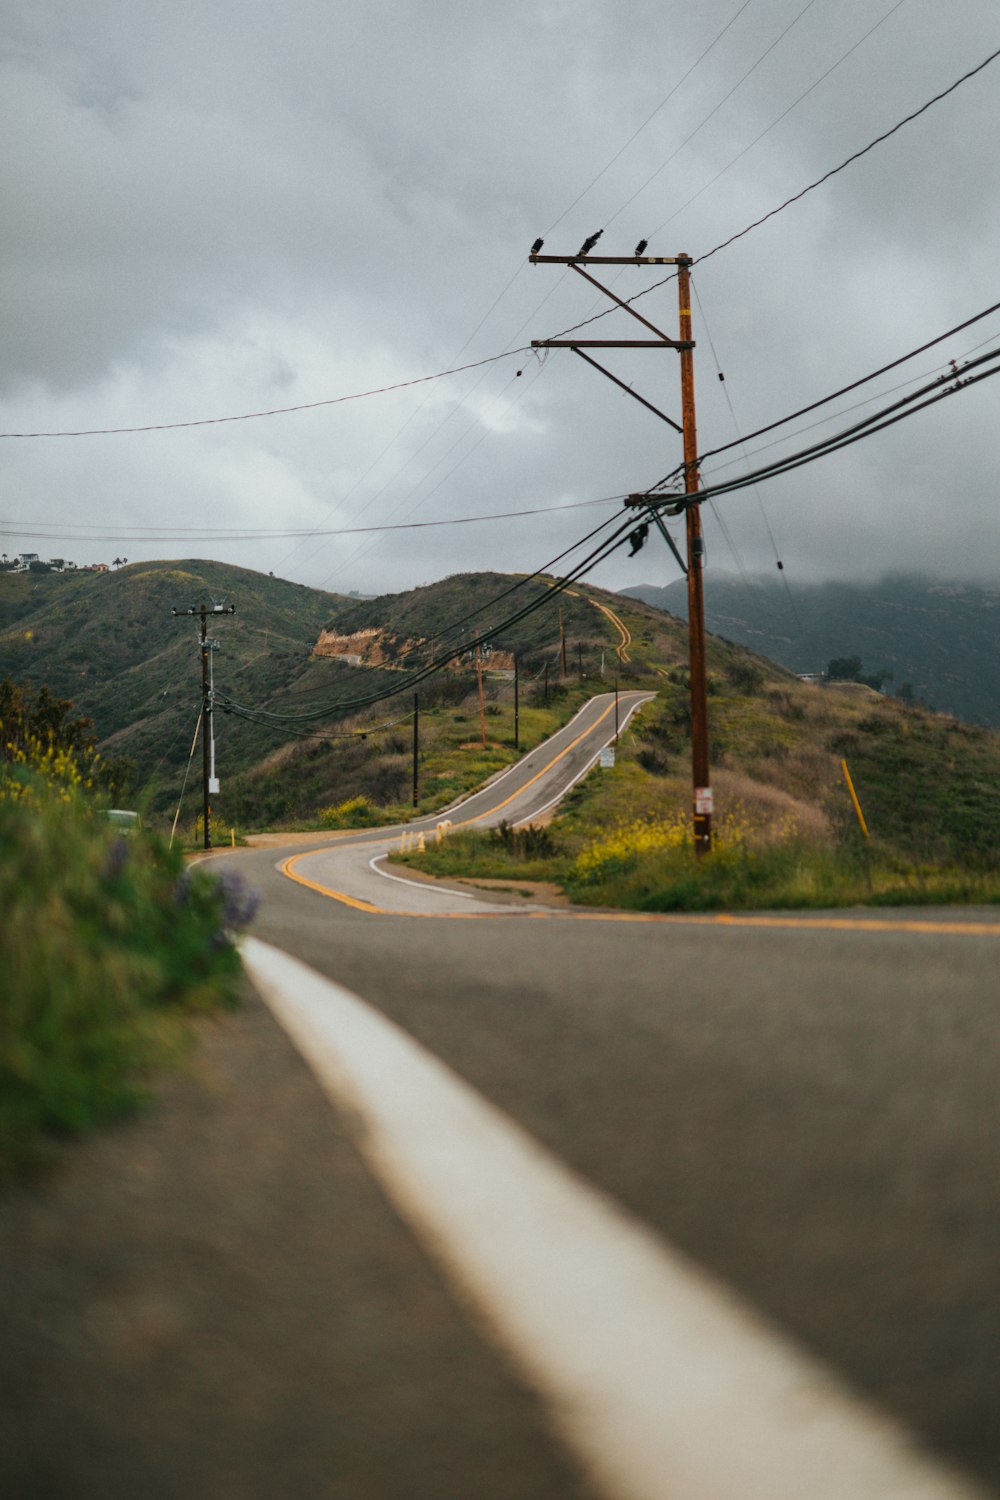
x=807 y=1107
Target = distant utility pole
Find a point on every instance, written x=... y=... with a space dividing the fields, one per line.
x=562 y=644
x=684 y=344
x=210 y=783
x=482 y=697
x=517 y=704
x=416 y=748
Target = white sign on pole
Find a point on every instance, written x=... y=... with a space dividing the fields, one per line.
x=607 y=757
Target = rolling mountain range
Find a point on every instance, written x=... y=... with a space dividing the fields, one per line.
x=111 y=643
x=939 y=637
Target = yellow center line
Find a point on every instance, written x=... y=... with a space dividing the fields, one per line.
x=538 y=774
x=675 y=919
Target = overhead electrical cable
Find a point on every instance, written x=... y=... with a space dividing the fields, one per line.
x=508 y=353
x=712 y=112
x=412 y=493
x=796 y=196
x=597 y=555
x=857 y=155
x=81 y=533
x=887 y=417
x=777 y=121
x=456 y=626
x=845 y=411
x=523 y=349
x=649 y=118
x=843 y=390
x=275 y=411
x=756 y=488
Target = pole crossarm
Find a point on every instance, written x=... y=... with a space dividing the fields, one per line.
x=609 y=344
x=607 y=260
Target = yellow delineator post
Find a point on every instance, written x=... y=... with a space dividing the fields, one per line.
x=854 y=799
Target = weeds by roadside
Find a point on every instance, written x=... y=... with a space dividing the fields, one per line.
x=108 y=943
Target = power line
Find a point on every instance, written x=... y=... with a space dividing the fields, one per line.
x=508 y=353
x=713 y=111
x=801 y=194
x=784 y=115
x=845 y=411
x=276 y=411
x=597 y=555
x=844 y=390
x=53 y=531
x=850 y=159
x=649 y=118
x=457 y=625
x=877 y=422
x=760 y=498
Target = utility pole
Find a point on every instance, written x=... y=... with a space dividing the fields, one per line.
x=616 y=708
x=546 y=684
x=517 y=704
x=210 y=784
x=696 y=559
x=684 y=344
x=416 y=748
x=562 y=644
x=482 y=699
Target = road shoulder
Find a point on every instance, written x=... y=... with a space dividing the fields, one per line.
x=214 y=1299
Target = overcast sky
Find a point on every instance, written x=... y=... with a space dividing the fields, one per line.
x=218 y=208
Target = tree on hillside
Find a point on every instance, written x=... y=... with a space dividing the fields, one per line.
x=843 y=668
x=848 y=669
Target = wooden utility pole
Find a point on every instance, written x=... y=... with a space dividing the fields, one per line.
x=416 y=748
x=695 y=558
x=580 y=263
x=209 y=781
x=482 y=699
x=562 y=644
x=517 y=705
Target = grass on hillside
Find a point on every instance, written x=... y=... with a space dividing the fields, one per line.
x=366 y=780
x=784 y=834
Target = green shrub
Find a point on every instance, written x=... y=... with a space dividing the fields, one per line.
x=106 y=941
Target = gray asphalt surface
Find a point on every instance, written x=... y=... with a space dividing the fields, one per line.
x=811 y=1113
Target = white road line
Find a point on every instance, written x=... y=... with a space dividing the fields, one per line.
x=374 y=864
x=661 y=1382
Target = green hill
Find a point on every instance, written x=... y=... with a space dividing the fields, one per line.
x=110 y=643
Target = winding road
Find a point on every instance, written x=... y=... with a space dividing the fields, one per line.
x=801 y=1106
x=498 y=1199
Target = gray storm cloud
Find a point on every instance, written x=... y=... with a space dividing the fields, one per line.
x=218 y=209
